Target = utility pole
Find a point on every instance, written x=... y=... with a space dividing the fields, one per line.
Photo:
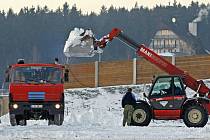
x=99 y=57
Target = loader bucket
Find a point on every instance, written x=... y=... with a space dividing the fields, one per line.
x=80 y=44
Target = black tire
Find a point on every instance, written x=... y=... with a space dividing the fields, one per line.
x=195 y=116
x=141 y=115
x=13 y=121
x=58 y=119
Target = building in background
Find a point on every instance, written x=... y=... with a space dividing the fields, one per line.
x=166 y=41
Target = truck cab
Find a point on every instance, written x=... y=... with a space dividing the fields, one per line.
x=36 y=92
x=166 y=97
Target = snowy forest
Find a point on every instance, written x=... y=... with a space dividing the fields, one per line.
x=38 y=34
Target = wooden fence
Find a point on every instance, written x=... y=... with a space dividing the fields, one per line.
x=131 y=72
x=125 y=73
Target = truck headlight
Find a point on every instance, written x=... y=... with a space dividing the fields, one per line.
x=57 y=106
x=15 y=106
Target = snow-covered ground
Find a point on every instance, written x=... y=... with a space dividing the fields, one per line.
x=96 y=114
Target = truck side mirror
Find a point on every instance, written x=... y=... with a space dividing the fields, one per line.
x=66 y=75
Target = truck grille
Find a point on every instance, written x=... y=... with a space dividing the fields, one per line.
x=36 y=96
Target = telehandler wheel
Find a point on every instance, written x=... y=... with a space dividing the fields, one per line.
x=195 y=116
x=141 y=115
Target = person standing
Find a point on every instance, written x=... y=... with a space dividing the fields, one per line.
x=128 y=101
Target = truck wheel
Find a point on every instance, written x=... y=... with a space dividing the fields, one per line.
x=13 y=121
x=195 y=116
x=58 y=119
x=141 y=115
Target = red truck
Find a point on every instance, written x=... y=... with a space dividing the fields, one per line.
x=36 y=92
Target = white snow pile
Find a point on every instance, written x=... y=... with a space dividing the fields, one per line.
x=96 y=114
x=80 y=43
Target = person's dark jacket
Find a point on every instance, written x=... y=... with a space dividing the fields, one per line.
x=128 y=99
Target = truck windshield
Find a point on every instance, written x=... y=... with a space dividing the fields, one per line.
x=36 y=74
